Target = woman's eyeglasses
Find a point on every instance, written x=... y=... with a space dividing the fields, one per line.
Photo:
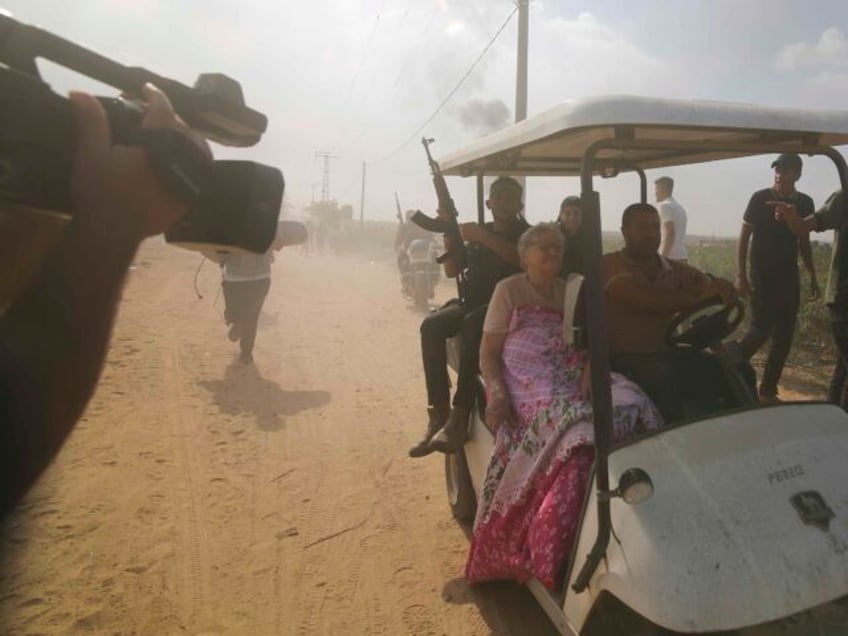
x=544 y=246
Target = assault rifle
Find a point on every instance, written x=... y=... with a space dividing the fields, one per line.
x=232 y=204
x=446 y=223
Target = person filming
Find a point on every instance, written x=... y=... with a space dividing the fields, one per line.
x=55 y=331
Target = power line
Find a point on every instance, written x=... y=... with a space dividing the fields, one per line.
x=455 y=88
x=366 y=50
x=414 y=49
x=399 y=32
x=345 y=190
x=364 y=94
x=354 y=82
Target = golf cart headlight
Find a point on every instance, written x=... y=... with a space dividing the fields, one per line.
x=634 y=486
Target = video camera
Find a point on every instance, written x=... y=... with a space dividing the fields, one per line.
x=233 y=205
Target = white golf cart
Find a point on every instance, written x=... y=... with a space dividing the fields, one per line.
x=734 y=521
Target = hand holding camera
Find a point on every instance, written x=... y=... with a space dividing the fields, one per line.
x=114 y=185
x=228 y=205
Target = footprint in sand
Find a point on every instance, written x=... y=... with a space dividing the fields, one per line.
x=419 y=619
x=405 y=578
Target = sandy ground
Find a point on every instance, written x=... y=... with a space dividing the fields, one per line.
x=201 y=496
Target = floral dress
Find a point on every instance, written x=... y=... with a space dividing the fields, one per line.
x=533 y=492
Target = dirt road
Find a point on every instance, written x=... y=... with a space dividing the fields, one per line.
x=201 y=496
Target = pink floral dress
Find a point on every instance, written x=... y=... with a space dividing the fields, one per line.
x=533 y=492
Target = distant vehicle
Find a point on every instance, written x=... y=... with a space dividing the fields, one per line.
x=734 y=521
x=422 y=272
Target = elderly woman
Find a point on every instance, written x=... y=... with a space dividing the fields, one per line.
x=537 y=389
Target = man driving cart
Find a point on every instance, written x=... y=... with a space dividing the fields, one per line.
x=644 y=291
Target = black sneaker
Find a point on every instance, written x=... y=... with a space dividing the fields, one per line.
x=451 y=437
x=421 y=449
x=445 y=441
x=434 y=425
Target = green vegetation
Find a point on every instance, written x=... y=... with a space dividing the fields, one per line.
x=813 y=343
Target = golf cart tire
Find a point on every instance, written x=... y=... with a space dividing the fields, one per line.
x=461 y=497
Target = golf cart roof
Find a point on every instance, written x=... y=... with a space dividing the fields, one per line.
x=681 y=132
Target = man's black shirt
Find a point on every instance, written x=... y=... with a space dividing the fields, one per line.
x=485 y=268
x=774 y=248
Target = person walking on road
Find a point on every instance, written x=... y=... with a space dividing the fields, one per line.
x=246 y=279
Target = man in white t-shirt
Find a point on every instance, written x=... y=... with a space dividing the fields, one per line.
x=245 y=281
x=673 y=218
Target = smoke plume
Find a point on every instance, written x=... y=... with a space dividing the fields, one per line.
x=483 y=116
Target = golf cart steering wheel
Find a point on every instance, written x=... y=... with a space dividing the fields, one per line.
x=706 y=324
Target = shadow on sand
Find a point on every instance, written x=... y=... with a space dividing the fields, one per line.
x=244 y=391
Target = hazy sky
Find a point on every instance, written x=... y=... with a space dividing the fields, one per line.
x=357 y=77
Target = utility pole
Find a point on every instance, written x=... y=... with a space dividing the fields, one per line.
x=521 y=67
x=312 y=187
x=521 y=71
x=362 y=199
x=325 y=184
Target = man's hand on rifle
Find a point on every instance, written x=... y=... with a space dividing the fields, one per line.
x=472 y=232
x=114 y=186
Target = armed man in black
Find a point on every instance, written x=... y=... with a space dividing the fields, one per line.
x=492 y=255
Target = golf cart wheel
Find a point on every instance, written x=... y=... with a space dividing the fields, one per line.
x=463 y=501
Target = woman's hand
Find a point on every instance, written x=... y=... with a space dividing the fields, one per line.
x=498 y=412
x=498 y=406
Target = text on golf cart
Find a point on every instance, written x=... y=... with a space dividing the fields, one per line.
x=786 y=474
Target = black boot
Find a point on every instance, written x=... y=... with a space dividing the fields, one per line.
x=437 y=418
x=453 y=434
